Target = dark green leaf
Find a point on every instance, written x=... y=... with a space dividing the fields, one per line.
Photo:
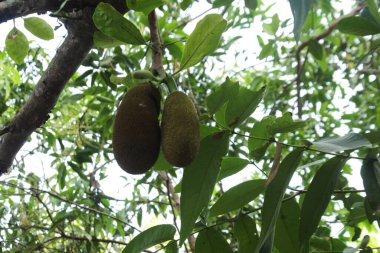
x=336 y=144
x=171 y=247
x=110 y=22
x=316 y=50
x=149 y=238
x=287 y=227
x=260 y=135
x=274 y=195
x=242 y=106
x=370 y=173
x=220 y=3
x=221 y=95
x=246 y=234
x=358 y=26
x=318 y=197
x=231 y=165
x=238 y=196
x=251 y=4
x=285 y=124
x=373 y=8
x=145 y=6
x=210 y=240
x=203 y=40
x=16 y=45
x=61 y=176
x=39 y=28
x=185 y=4
x=300 y=11
x=199 y=179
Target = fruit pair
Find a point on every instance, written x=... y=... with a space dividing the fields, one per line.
x=137 y=134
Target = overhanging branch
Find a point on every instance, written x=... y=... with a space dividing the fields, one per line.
x=45 y=95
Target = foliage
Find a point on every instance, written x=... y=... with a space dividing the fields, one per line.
x=286 y=135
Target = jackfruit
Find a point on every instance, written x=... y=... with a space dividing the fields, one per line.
x=136 y=131
x=179 y=130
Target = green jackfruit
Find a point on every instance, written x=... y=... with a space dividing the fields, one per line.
x=136 y=131
x=179 y=130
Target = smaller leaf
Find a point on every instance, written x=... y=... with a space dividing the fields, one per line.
x=145 y=6
x=222 y=94
x=244 y=104
x=370 y=173
x=171 y=247
x=211 y=240
x=110 y=22
x=150 y=237
x=337 y=144
x=358 y=26
x=203 y=40
x=238 y=196
x=220 y=3
x=16 y=45
x=316 y=50
x=373 y=8
x=231 y=165
x=246 y=234
x=285 y=124
x=318 y=197
x=103 y=41
x=257 y=144
x=251 y=4
x=39 y=28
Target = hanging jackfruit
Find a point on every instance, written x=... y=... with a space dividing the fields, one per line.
x=179 y=130
x=136 y=131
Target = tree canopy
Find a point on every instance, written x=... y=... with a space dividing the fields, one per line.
x=289 y=116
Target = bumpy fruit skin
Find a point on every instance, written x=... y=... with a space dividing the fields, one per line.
x=136 y=131
x=179 y=130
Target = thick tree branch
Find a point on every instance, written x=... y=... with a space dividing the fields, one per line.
x=10 y=9
x=45 y=95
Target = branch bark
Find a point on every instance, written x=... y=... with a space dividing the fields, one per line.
x=10 y=9
x=45 y=95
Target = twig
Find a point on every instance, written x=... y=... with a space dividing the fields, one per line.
x=157 y=66
x=301 y=65
x=35 y=190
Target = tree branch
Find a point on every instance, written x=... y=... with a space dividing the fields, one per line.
x=157 y=67
x=45 y=95
x=301 y=65
x=10 y=9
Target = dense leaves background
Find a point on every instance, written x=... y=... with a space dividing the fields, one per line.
x=288 y=121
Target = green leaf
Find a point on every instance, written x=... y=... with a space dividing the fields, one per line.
x=103 y=41
x=242 y=106
x=246 y=234
x=220 y=3
x=251 y=4
x=318 y=197
x=316 y=50
x=210 y=240
x=221 y=95
x=358 y=26
x=256 y=146
x=373 y=8
x=110 y=22
x=231 y=165
x=150 y=237
x=287 y=227
x=203 y=40
x=274 y=195
x=39 y=28
x=145 y=6
x=185 y=4
x=300 y=11
x=370 y=173
x=16 y=45
x=285 y=124
x=336 y=144
x=171 y=247
x=199 y=179
x=272 y=28
x=61 y=177
x=238 y=196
